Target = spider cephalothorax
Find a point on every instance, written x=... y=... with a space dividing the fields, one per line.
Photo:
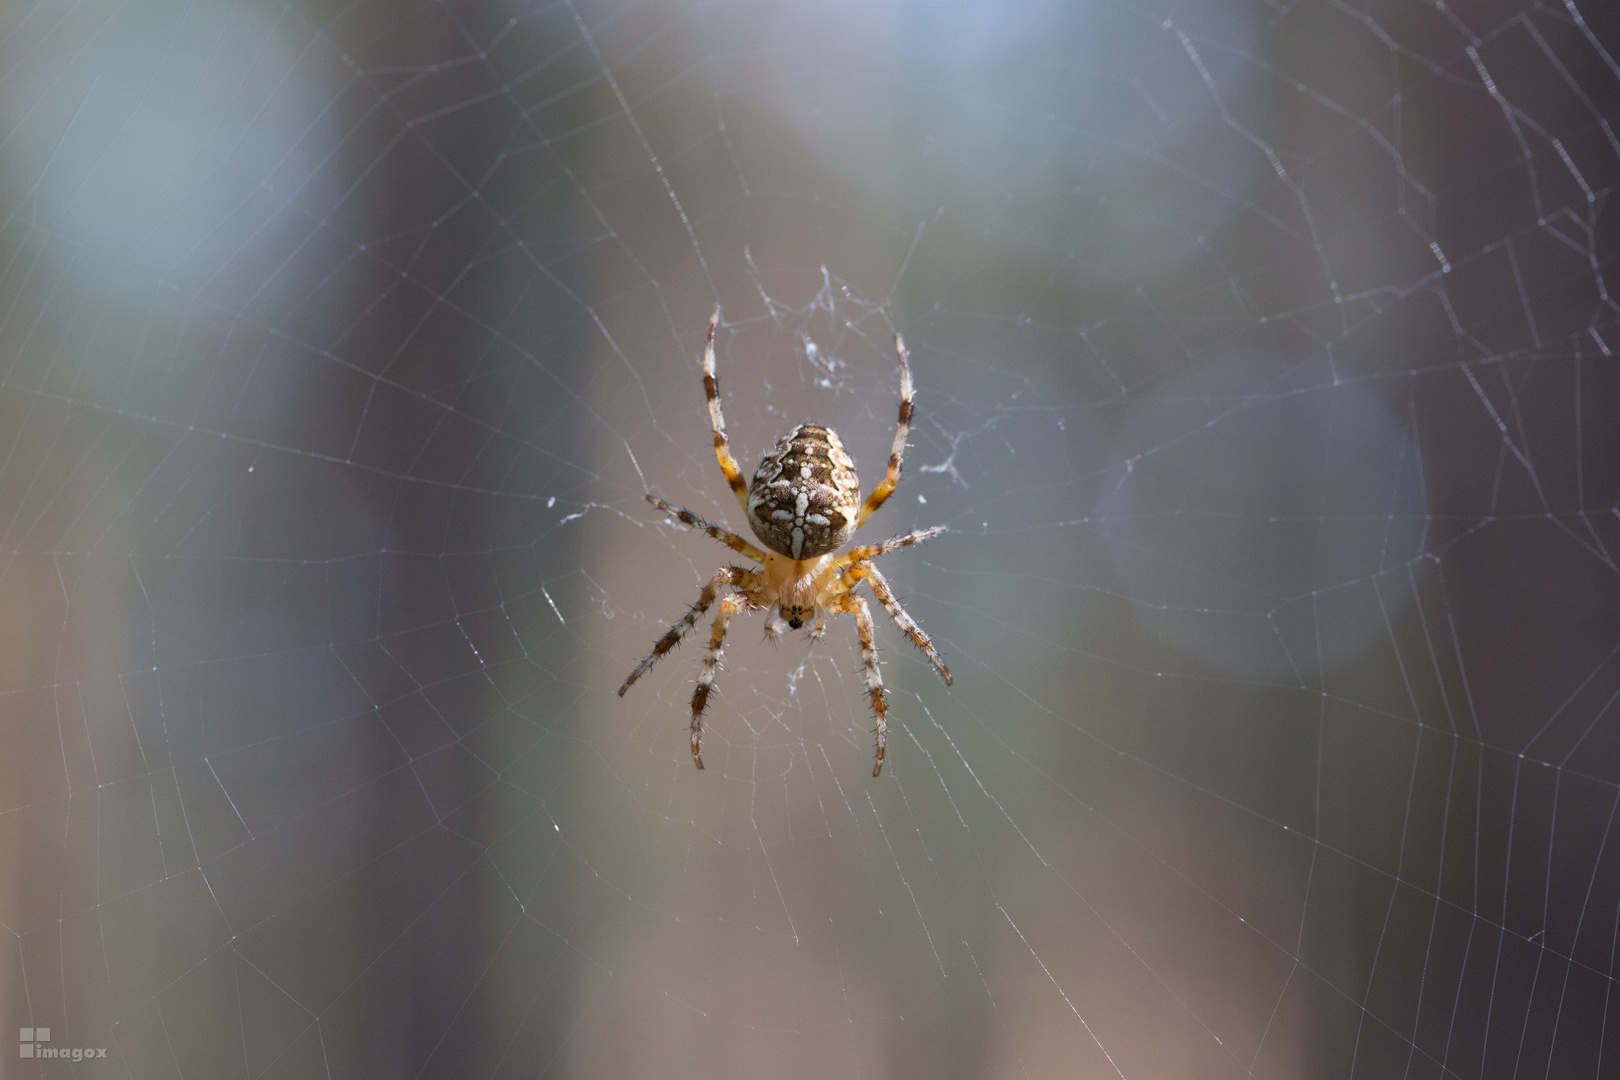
x=804 y=503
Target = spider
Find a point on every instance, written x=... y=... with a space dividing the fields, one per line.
x=803 y=505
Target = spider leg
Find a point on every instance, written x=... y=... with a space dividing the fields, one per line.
x=717 y=420
x=730 y=575
x=726 y=537
x=849 y=602
x=711 y=664
x=881 y=493
x=885 y=595
x=872 y=551
x=821 y=624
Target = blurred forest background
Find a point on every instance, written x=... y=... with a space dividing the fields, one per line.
x=1265 y=383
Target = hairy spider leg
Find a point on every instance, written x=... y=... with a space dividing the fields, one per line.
x=725 y=536
x=872 y=551
x=730 y=575
x=849 y=602
x=717 y=419
x=880 y=494
x=885 y=595
x=730 y=606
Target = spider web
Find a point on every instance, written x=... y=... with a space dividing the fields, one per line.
x=1264 y=382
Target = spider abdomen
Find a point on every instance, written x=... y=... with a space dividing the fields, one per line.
x=805 y=495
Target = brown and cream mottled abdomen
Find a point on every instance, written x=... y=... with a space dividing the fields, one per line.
x=805 y=497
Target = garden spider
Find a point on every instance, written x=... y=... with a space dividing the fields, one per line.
x=803 y=505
